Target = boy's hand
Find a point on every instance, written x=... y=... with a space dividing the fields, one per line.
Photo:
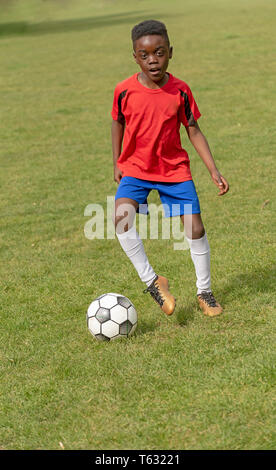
x=117 y=175
x=220 y=182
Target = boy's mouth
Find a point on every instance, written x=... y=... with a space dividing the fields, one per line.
x=155 y=71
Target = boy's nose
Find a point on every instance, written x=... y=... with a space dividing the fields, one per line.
x=153 y=60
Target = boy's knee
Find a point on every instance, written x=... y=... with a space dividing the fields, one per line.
x=195 y=232
x=123 y=217
x=194 y=228
x=122 y=223
x=198 y=232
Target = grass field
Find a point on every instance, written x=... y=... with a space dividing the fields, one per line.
x=187 y=382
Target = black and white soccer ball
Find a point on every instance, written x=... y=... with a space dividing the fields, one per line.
x=111 y=316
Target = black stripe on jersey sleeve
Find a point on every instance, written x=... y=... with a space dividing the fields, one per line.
x=188 y=112
x=121 y=117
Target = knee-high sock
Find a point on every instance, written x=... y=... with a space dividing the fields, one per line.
x=133 y=247
x=200 y=254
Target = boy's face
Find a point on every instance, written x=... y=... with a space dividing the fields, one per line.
x=152 y=53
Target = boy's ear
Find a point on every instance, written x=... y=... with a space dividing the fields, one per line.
x=135 y=57
x=170 y=52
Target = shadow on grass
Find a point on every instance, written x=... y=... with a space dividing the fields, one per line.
x=65 y=26
x=145 y=327
x=250 y=284
x=185 y=313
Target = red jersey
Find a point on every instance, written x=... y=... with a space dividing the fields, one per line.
x=152 y=147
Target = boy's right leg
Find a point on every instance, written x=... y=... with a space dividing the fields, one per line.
x=125 y=210
x=131 y=243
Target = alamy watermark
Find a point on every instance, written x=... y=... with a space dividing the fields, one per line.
x=151 y=226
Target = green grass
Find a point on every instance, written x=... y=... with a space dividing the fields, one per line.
x=187 y=382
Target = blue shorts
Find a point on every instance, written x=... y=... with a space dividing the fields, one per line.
x=177 y=198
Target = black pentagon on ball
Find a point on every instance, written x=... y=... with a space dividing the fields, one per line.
x=125 y=327
x=124 y=302
x=103 y=314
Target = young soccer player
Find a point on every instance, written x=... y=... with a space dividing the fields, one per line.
x=148 y=110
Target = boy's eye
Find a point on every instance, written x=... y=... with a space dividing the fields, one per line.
x=159 y=53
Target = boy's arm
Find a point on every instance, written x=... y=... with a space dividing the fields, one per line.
x=201 y=145
x=117 y=134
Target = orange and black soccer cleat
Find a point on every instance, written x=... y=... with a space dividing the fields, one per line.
x=159 y=290
x=208 y=304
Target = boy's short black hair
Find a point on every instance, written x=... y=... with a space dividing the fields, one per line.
x=149 y=27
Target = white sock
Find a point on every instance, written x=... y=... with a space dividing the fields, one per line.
x=134 y=249
x=200 y=253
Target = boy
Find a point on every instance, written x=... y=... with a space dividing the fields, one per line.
x=148 y=109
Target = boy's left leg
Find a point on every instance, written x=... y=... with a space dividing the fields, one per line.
x=200 y=254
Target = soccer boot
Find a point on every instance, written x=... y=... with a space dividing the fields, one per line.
x=208 y=304
x=159 y=290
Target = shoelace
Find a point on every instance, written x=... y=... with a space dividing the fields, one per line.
x=209 y=298
x=155 y=293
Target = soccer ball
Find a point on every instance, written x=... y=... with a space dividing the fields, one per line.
x=111 y=316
